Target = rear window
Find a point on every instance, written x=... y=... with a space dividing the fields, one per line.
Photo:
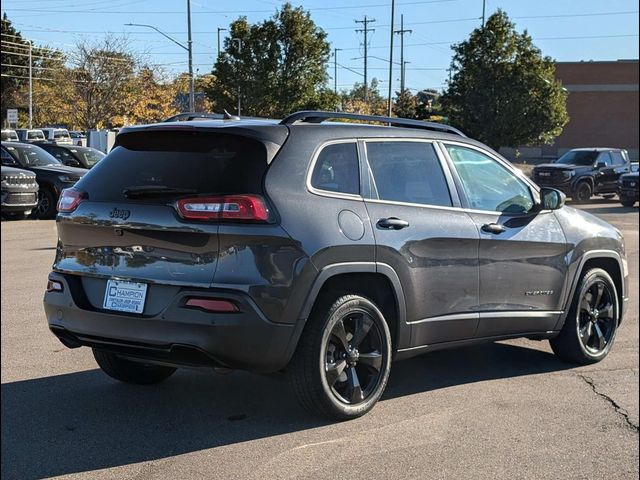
x=182 y=163
x=61 y=134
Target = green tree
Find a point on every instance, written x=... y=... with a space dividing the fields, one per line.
x=504 y=91
x=276 y=66
x=405 y=105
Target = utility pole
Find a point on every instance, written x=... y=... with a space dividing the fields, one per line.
x=401 y=32
x=192 y=96
x=238 y=42
x=335 y=69
x=30 y=87
x=393 y=10
x=365 y=30
x=403 y=74
x=484 y=4
x=220 y=30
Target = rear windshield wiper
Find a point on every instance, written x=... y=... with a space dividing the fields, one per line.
x=154 y=190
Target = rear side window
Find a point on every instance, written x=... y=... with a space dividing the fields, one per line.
x=337 y=170
x=408 y=172
x=181 y=163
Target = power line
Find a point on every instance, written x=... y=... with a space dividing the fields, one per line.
x=365 y=30
x=218 y=12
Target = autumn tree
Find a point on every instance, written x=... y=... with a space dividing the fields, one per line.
x=355 y=101
x=504 y=91
x=103 y=74
x=275 y=67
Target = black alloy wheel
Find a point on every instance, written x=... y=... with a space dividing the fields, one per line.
x=343 y=359
x=596 y=317
x=583 y=192
x=353 y=357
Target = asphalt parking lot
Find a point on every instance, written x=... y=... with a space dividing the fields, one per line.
x=503 y=410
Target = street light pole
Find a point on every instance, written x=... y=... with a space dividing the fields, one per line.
x=238 y=42
x=393 y=8
x=187 y=47
x=30 y=87
x=220 y=30
x=192 y=99
x=335 y=69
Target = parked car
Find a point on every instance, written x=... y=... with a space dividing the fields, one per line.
x=51 y=175
x=78 y=138
x=31 y=135
x=74 y=156
x=19 y=192
x=9 y=135
x=326 y=250
x=583 y=172
x=629 y=187
x=59 y=136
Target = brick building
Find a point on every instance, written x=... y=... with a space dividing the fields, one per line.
x=602 y=105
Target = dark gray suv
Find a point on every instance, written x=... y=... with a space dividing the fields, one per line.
x=325 y=250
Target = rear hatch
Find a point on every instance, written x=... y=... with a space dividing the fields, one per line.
x=148 y=210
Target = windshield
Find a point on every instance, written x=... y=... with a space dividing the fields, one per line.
x=32 y=156
x=89 y=157
x=9 y=136
x=578 y=157
x=35 y=135
x=61 y=134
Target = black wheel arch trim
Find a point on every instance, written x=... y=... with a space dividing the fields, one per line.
x=570 y=292
x=403 y=329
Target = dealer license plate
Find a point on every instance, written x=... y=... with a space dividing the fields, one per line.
x=125 y=296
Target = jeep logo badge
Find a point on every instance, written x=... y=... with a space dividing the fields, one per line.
x=120 y=213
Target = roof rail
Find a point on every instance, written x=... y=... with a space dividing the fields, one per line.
x=317 y=116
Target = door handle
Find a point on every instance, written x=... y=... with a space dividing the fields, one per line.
x=392 y=223
x=494 y=228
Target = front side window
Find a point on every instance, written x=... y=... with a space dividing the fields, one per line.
x=605 y=158
x=408 y=172
x=337 y=170
x=487 y=184
x=618 y=159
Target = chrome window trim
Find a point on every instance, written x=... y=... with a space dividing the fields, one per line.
x=329 y=193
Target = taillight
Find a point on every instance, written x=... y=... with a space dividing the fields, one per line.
x=69 y=199
x=247 y=208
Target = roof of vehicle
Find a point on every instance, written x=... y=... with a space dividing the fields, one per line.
x=596 y=149
x=276 y=131
x=16 y=171
x=19 y=145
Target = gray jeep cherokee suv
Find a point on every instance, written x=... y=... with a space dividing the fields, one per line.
x=326 y=250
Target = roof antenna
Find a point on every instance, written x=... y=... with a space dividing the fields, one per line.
x=228 y=116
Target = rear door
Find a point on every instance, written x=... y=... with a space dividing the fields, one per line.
x=432 y=246
x=521 y=253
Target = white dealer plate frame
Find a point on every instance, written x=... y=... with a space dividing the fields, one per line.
x=123 y=296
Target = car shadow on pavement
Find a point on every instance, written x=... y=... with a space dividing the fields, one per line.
x=84 y=421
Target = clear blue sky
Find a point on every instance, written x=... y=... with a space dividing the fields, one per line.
x=567 y=30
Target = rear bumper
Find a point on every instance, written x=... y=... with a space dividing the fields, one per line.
x=176 y=335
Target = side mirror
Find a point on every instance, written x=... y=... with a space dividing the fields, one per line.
x=600 y=165
x=551 y=199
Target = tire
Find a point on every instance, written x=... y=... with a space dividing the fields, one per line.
x=586 y=338
x=46 y=207
x=331 y=379
x=129 y=371
x=582 y=192
x=627 y=201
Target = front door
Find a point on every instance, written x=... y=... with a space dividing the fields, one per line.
x=522 y=252
x=432 y=247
